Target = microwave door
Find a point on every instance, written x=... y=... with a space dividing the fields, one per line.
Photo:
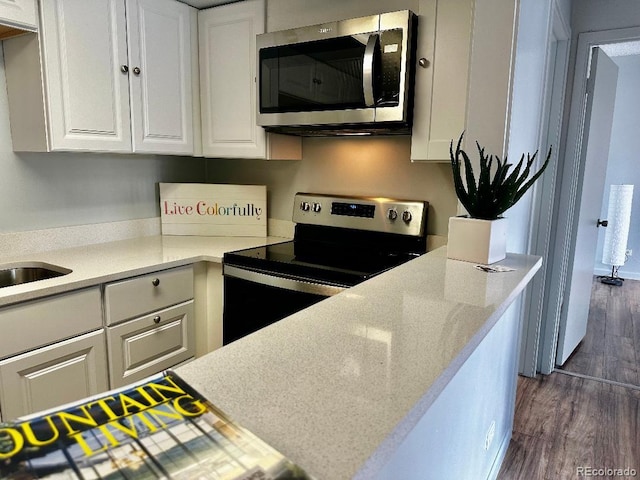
x=317 y=82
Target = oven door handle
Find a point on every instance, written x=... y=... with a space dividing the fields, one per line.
x=281 y=282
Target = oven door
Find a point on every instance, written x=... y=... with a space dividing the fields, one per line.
x=253 y=300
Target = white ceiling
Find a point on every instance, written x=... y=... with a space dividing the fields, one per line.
x=621 y=49
x=206 y=3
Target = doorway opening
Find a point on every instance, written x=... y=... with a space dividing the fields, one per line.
x=566 y=303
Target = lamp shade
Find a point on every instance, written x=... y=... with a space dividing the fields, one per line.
x=619 y=218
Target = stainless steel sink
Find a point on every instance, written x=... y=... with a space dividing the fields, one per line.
x=16 y=274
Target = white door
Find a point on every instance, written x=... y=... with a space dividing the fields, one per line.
x=229 y=109
x=595 y=152
x=160 y=67
x=84 y=47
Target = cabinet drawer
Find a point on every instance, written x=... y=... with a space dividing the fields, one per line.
x=149 y=344
x=32 y=324
x=53 y=375
x=136 y=296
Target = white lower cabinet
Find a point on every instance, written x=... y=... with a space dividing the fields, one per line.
x=52 y=350
x=150 y=323
x=58 y=349
x=53 y=375
x=147 y=345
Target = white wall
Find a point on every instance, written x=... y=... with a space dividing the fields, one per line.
x=43 y=190
x=624 y=156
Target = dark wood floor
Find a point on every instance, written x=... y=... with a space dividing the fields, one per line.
x=611 y=348
x=564 y=422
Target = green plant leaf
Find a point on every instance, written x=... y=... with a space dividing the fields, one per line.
x=494 y=193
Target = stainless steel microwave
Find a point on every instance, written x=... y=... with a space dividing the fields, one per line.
x=347 y=77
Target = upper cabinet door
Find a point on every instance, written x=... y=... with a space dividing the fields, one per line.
x=18 y=13
x=227 y=80
x=440 y=104
x=85 y=57
x=160 y=70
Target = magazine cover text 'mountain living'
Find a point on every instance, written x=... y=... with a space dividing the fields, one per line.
x=160 y=428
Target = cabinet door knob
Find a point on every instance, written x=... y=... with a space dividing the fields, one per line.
x=124 y=68
x=155 y=282
x=423 y=62
x=136 y=70
x=156 y=319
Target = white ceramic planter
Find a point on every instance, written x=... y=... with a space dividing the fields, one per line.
x=478 y=241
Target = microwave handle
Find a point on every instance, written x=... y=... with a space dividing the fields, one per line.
x=368 y=69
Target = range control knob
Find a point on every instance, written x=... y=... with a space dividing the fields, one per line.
x=317 y=207
x=392 y=214
x=305 y=206
x=406 y=216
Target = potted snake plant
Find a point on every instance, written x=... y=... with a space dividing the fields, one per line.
x=481 y=236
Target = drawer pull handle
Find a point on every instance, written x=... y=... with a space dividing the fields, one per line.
x=156 y=319
x=156 y=282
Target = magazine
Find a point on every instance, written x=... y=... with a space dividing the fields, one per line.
x=159 y=428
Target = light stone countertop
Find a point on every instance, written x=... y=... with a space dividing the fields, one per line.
x=338 y=386
x=105 y=262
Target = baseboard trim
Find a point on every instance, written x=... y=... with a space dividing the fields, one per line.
x=597 y=379
x=502 y=453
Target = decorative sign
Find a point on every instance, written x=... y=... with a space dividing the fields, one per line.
x=213 y=209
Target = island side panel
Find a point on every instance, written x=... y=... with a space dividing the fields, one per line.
x=466 y=432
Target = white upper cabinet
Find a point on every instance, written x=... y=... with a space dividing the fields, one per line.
x=17 y=15
x=84 y=45
x=228 y=85
x=116 y=78
x=161 y=59
x=441 y=85
x=466 y=85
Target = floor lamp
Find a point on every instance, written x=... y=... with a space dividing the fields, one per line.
x=617 y=232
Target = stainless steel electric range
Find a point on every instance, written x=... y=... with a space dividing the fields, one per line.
x=339 y=242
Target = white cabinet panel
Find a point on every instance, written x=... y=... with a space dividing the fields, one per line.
x=467 y=85
x=228 y=90
x=440 y=106
x=139 y=295
x=227 y=79
x=32 y=324
x=84 y=45
x=160 y=47
x=53 y=375
x=150 y=344
x=18 y=13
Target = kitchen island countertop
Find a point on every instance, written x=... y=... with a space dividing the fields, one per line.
x=105 y=262
x=340 y=385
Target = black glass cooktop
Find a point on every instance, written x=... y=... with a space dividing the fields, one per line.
x=330 y=265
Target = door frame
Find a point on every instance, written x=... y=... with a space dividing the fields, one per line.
x=540 y=232
x=568 y=193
